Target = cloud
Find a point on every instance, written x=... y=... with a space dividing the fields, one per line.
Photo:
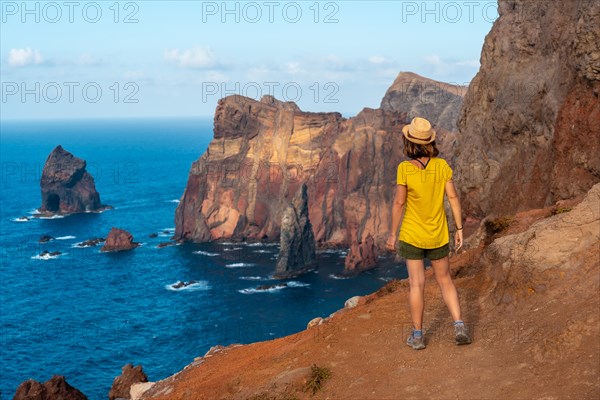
x=24 y=57
x=440 y=68
x=88 y=60
x=196 y=58
x=378 y=60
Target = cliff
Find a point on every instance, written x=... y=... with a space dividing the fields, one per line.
x=262 y=151
x=529 y=131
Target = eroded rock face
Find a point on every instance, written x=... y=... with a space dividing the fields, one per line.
x=529 y=125
x=551 y=243
x=55 y=388
x=119 y=239
x=297 y=250
x=263 y=151
x=66 y=185
x=122 y=384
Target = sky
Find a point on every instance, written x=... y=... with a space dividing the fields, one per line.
x=110 y=59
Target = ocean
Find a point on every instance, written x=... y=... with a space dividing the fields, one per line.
x=84 y=314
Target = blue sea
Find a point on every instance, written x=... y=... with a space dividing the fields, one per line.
x=84 y=314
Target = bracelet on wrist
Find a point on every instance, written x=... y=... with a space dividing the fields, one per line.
x=459 y=229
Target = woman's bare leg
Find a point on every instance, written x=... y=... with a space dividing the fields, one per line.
x=416 y=278
x=441 y=268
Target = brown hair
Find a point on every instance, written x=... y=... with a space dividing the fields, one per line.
x=415 y=150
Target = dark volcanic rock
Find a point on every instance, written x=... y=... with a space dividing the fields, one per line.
x=55 y=388
x=182 y=284
x=361 y=256
x=122 y=383
x=66 y=185
x=45 y=239
x=153 y=235
x=297 y=249
x=165 y=244
x=119 y=239
x=529 y=131
x=90 y=242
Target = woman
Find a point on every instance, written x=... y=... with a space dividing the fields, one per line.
x=422 y=182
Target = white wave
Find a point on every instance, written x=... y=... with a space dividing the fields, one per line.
x=168 y=229
x=232 y=248
x=334 y=276
x=206 y=253
x=239 y=265
x=226 y=243
x=46 y=256
x=385 y=278
x=331 y=251
x=254 y=244
x=34 y=211
x=55 y=216
x=251 y=278
x=65 y=237
x=21 y=219
x=255 y=290
x=173 y=201
x=297 y=284
x=200 y=285
x=262 y=251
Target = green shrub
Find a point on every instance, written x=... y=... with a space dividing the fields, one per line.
x=318 y=377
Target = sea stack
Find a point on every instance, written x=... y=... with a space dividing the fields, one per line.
x=361 y=256
x=119 y=239
x=67 y=187
x=297 y=251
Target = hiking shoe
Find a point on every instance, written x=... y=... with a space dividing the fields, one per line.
x=461 y=334
x=417 y=343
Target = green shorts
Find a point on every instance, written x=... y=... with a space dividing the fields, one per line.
x=411 y=252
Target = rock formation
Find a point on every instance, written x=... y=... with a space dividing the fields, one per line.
x=439 y=102
x=361 y=256
x=263 y=151
x=55 y=388
x=66 y=185
x=529 y=131
x=119 y=239
x=297 y=250
x=122 y=384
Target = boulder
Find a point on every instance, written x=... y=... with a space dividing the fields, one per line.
x=119 y=239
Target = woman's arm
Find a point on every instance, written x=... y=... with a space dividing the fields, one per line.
x=454 y=201
x=397 y=213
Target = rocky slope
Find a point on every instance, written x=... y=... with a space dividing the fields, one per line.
x=263 y=151
x=530 y=300
x=529 y=131
x=66 y=185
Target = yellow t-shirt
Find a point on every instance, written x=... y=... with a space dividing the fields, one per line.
x=424 y=224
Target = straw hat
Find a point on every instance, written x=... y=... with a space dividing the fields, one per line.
x=419 y=131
